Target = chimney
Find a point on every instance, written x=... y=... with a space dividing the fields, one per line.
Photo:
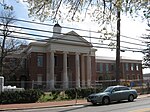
x=56 y=30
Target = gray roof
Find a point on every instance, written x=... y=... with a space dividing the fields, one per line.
x=146 y=75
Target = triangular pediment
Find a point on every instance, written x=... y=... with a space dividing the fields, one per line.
x=73 y=38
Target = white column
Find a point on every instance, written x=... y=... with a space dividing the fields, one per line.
x=77 y=66
x=52 y=70
x=83 y=70
x=65 y=75
x=88 y=70
x=48 y=70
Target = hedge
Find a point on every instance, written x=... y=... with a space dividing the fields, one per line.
x=69 y=94
x=27 y=96
x=31 y=96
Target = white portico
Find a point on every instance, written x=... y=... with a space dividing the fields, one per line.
x=71 y=44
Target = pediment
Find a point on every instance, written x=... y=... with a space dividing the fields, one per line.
x=73 y=38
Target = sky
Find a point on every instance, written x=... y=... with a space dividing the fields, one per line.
x=129 y=27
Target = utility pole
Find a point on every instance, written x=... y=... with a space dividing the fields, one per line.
x=118 y=48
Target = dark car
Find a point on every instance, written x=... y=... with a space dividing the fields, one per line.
x=113 y=93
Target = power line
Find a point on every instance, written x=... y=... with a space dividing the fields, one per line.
x=45 y=24
x=98 y=45
x=37 y=35
x=132 y=38
x=48 y=37
x=33 y=29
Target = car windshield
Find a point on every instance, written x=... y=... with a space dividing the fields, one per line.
x=109 y=89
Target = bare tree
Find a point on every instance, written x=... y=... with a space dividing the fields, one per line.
x=146 y=51
x=6 y=6
x=73 y=9
x=8 y=46
x=146 y=59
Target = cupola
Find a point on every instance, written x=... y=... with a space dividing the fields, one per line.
x=56 y=30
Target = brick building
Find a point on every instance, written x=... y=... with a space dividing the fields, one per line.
x=63 y=61
x=68 y=61
x=131 y=69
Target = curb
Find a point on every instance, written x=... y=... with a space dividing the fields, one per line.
x=39 y=107
x=63 y=105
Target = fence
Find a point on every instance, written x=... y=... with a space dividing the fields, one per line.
x=142 y=86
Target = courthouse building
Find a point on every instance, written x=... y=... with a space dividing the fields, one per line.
x=63 y=61
x=68 y=61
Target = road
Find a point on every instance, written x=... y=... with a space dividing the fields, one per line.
x=139 y=105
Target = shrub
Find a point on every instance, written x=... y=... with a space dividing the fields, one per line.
x=31 y=96
x=27 y=96
x=71 y=93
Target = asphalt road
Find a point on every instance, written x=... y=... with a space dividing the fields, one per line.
x=139 y=105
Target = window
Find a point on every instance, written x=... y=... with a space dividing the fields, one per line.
x=132 y=66
x=40 y=61
x=124 y=88
x=112 y=67
x=107 y=67
x=115 y=89
x=127 y=67
x=97 y=67
x=101 y=67
x=13 y=62
x=137 y=67
x=138 y=76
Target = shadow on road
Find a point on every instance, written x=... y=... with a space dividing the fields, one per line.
x=76 y=107
x=112 y=103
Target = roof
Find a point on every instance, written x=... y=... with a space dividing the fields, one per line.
x=73 y=38
x=122 y=59
x=146 y=75
x=57 y=25
x=117 y=86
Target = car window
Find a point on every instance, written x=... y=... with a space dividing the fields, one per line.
x=124 y=88
x=116 y=89
x=109 y=89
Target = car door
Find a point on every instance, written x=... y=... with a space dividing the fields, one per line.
x=115 y=94
x=124 y=93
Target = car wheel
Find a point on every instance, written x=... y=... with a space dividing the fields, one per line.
x=130 y=98
x=106 y=100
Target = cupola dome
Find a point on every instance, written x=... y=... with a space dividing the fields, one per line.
x=56 y=30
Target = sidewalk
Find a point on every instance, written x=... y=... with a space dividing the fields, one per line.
x=5 y=107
